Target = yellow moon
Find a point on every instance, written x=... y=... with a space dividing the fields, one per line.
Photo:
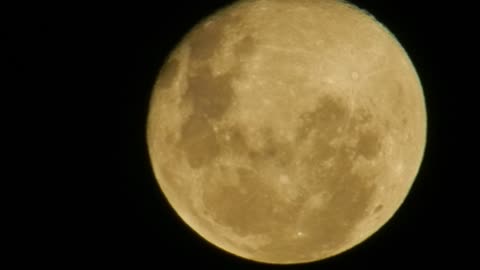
x=287 y=131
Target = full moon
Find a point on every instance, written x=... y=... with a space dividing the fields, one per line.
x=287 y=131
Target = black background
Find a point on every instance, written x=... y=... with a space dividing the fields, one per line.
x=82 y=76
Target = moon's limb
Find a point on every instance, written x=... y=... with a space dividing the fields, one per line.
x=287 y=131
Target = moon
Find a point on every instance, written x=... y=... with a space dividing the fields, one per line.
x=285 y=131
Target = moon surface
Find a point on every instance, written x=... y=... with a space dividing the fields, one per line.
x=287 y=131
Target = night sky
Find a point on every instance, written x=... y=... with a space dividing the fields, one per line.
x=87 y=72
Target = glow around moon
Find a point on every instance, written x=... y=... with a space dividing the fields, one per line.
x=287 y=131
